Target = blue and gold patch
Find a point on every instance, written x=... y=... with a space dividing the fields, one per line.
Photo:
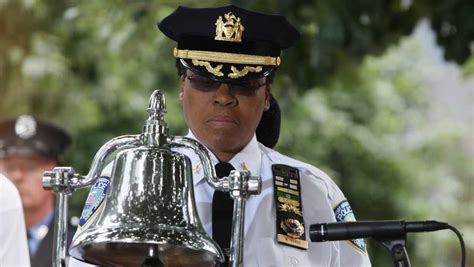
x=344 y=213
x=95 y=200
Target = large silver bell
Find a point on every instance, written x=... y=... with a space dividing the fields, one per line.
x=149 y=216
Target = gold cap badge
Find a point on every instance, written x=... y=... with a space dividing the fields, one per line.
x=230 y=30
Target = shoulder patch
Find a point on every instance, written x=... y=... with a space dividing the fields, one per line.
x=94 y=201
x=344 y=213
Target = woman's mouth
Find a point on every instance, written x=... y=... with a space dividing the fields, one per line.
x=222 y=120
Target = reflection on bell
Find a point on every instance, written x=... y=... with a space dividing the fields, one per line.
x=149 y=216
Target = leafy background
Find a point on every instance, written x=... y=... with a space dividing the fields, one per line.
x=357 y=94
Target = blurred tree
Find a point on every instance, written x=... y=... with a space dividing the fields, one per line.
x=343 y=32
x=453 y=24
x=370 y=130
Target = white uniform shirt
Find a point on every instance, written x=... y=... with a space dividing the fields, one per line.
x=319 y=194
x=13 y=242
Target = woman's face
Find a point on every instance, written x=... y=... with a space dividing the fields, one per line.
x=223 y=117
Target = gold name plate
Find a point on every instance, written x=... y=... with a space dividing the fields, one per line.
x=292 y=241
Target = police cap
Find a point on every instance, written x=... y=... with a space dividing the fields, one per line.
x=228 y=43
x=25 y=136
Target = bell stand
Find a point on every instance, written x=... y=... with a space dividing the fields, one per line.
x=64 y=180
x=56 y=181
x=240 y=185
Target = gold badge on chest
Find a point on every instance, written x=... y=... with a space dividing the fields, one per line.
x=289 y=212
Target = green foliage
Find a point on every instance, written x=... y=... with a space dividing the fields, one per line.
x=352 y=98
x=452 y=21
x=369 y=128
x=342 y=32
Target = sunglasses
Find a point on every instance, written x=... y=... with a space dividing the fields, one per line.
x=205 y=84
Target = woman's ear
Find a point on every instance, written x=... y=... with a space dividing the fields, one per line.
x=268 y=91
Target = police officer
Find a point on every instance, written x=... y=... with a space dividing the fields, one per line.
x=226 y=59
x=28 y=147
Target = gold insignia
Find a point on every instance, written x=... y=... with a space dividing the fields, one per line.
x=214 y=70
x=232 y=58
x=288 y=201
x=245 y=167
x=230 y=30
x=240 y=73
x=290 y=208
x=292 y=227
x=198 y=167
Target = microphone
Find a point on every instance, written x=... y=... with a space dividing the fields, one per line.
x=376 y=229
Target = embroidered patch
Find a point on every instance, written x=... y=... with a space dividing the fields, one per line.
x=344 y=213
x=95 y=200
x=289 y=212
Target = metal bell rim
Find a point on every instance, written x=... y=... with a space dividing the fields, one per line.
x=180 y=243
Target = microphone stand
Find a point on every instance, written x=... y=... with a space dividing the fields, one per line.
x=391 y=234
x=397 y=249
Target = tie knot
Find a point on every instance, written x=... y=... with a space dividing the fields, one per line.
x=223 y=169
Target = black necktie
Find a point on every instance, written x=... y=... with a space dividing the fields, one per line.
x=222 y=212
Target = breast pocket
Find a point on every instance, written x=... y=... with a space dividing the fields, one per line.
x=273 y=254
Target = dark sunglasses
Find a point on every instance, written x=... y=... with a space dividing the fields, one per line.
x=205 y=84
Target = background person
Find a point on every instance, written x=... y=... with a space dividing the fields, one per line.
x=29 y=147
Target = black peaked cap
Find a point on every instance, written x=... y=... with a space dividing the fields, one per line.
x=249 y=33
x=230 y=44
x=26 y=136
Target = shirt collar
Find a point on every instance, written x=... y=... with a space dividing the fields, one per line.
x=249 y=158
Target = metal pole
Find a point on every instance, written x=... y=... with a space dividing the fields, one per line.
x=237 y=240
x=60 y=230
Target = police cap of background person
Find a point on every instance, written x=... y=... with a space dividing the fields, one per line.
x=28 y=136
x=237 y=50
x=28 y=147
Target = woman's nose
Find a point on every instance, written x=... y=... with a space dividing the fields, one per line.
x=224 y=95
